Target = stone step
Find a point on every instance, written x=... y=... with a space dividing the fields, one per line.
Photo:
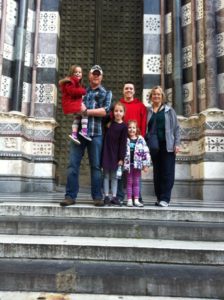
x=54 y=296
x=126 y=281
x=114 y=228
x=89 y=211
x=112 y=249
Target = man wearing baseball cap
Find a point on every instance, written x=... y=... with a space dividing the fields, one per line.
x=97 y=104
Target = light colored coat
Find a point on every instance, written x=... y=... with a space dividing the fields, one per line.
x=141 y=155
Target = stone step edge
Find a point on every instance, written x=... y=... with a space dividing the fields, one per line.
x=55 y=296
x=112 y=249
x=87 y=211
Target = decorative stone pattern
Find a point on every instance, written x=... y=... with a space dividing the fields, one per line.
x=6 y=86
x=186 y=14
x=49 y=22
x=152 y=64
x=46 y=93
x=152 y=24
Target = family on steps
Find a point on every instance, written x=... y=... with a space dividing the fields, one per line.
x=125 y=143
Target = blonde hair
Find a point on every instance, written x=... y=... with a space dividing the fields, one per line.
x=157 y=87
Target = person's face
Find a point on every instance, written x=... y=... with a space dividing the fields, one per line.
x=118 y=113
x=78 y=72
x=157 y=97
x=95 y=78
x=132 y=130
x=128 y=91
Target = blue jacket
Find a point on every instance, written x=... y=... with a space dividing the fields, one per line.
x=172 y=128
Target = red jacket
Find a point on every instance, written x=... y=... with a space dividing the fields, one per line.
x=72 y=93
x=136 y=110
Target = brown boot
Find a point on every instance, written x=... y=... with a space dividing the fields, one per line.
x=67 y=202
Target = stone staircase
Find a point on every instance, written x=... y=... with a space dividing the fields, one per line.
x=131 y=252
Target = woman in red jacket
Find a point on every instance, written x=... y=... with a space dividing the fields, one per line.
x=72 y=93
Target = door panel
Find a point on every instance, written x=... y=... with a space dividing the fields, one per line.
x=106 y=32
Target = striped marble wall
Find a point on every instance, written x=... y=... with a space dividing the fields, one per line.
x=151 y=53
x=219 y=16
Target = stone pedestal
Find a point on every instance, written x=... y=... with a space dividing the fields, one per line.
x=26 y=153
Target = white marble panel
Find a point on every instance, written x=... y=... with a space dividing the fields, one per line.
x=186 y=14
x=42 y=149
x=182 y=171
x=6 y=87
x=145 y=96
x=168 y=63
x=152 y=64
x=221 y=83
x=11 y=12
x=8 y=52
x=46 y=93
x=44 y=170
x=26 y=92
x=28 y=59
x=187 y=56
x=213 y=170
x=30 y=24
x=47 y=61
x=219 y=4
x=214 y=144
x=151 y=24
x=220 y=44
x=188 y=92
x=49 y=22
x=201 y=88
x=168 y=23
x=200 y=52
x=199 y=9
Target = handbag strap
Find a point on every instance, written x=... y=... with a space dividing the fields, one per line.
x=152 y=129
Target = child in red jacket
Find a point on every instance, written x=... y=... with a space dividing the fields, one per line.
x=72 y=93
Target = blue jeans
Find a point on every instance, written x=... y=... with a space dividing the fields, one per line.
x=94 y=149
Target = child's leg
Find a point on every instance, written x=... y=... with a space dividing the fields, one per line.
x=136 y=186
x=106 y=182
x=129 y=187
x=114 y=184
x=84 y=130
x=75 y=126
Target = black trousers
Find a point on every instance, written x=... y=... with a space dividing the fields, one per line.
x=163 y=173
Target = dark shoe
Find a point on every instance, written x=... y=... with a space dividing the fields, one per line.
x=157 y=203
x=115 y=201
x=141 y=200
x=107 y=200
x=98 y=202
x=67 y=202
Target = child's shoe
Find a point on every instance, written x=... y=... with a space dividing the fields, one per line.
x=137 y=203
x=74 y=137
x=129 y=203
x=115 y=201
x=107 y=200
x=84 y=134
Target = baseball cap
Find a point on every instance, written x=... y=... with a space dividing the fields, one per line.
x=96 y=68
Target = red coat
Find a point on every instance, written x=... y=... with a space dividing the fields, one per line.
x=136 y=110
x=72 y=93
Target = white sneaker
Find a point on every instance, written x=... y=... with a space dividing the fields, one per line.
x=137 y=203
x=88 y=138
x=129 y=203
x=163 y=204
x=74 y=139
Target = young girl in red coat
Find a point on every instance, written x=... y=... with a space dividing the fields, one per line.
x=72 y=93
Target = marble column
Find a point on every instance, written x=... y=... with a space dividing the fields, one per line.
x=18 y=68
x=210 y=57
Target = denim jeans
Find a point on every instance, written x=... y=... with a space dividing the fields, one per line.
x=94 y=149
